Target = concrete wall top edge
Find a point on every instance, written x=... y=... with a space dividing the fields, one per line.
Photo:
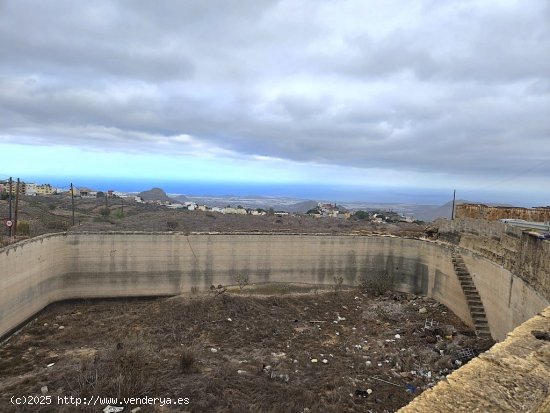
x=32 y=240
x=319 y=234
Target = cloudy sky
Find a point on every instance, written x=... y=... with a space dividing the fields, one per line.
x=428 y=95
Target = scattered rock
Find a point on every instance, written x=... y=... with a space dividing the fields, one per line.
x=541 y=335
x=44 y=389
x=324 y=361
x=397 y=336
x=362 y=393
x=278 y=355
x=280 y=376
x=136 y=410
x=214 y=350
x=61 y=327
x=241 y=371
x=422 y=310
x=314 y=360
x=50 y=365
x=112 y=409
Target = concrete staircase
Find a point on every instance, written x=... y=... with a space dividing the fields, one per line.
x=475 y=304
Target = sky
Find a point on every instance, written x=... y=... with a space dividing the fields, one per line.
x=351 y=97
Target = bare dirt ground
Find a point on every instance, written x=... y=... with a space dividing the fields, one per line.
x=53 y=214
x=270 y=348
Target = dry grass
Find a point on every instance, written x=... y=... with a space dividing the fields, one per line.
x=263 y=347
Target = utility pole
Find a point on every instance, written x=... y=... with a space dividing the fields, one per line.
x=17 y=188
x=72 y=200
x=122 y=203
x=453 y=211
x=9 y=202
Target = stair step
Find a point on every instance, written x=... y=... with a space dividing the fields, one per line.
x=473 y=298
x=476 y=306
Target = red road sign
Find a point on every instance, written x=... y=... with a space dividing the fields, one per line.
x=9 y=223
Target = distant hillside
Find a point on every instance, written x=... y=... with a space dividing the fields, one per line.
x=300 y=207
x=428 y=213
x=155 y=194
x=181 y=198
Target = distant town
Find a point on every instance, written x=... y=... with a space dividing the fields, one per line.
x=157 y=196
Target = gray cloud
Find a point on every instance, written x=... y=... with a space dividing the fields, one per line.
x=452 y=88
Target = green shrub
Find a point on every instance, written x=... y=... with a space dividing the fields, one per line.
x=119 y=214
x=23 y=228
x=361 y=215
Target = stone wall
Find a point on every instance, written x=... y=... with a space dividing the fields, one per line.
x=490 y=213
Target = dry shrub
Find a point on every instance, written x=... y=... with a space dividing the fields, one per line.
x=171 y=225
x=126 y=370
x=187 y=362
x=338 y=281
x=376 y=284
x=58 y=225
x=242 y=280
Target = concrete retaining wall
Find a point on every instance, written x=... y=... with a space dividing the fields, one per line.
x=518 y=251
x=43 y=270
